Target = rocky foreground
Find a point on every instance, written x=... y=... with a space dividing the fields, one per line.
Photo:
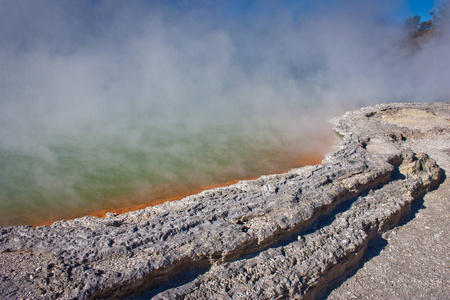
x=294 y=235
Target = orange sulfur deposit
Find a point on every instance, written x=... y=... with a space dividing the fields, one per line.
x=167 y=192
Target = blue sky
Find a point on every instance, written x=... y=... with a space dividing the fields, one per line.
x=401 y=9
x=422 y=7
x=419 y=7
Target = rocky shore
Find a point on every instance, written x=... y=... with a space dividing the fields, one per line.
x=293 y=235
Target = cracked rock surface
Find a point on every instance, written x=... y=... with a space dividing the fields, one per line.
x=292 y=235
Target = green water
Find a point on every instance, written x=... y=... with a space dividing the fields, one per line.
x=74 y=172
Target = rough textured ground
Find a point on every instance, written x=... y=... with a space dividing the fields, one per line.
x=414 y=259
x=294 y=235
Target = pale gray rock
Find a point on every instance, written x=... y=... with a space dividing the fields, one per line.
x=292 y=235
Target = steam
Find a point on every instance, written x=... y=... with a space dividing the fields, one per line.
x=94 y=75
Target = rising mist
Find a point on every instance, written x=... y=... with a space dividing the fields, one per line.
x=98 y=93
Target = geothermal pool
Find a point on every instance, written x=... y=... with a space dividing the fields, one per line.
x=106 y=106
x=48 y=175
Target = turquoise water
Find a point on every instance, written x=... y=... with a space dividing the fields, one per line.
x=104 y=165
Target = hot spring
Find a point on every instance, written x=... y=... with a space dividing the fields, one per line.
x=136 y=159
x=109 y=105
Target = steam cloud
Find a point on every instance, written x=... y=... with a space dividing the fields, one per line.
x=90 y=60
x=71 y=68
